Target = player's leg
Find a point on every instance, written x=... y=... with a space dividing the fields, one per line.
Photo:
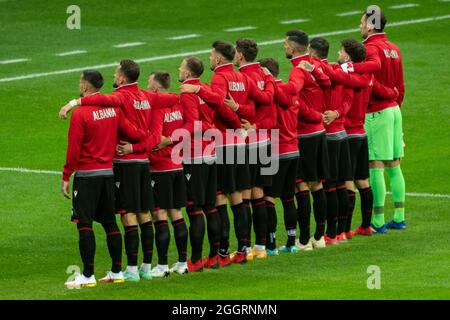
x=106 y=216
x=379 y=127
x=394 y=171
x=85 y=196
x=345 y=174
x=303 y=196
x=181 y=240
x=330 y=187
x=162 y=241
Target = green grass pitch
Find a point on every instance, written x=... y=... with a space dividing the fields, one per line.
x=37 y=240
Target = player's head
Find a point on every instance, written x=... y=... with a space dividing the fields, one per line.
x=246 y=51
x=372 y=21
x=159 y=81
x=126 y=72
x=318 y=48
x=272 y=65
x=295 y=43
x=90 y=81
x=221 y=53
x=351 y=50
x=190 y=68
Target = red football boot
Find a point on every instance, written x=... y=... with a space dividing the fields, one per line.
x=196 y=266
x=211 y=263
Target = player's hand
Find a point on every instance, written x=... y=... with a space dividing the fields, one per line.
x=64 y=111
x=165 y=141
x=330 y=116
x=247 y=125
x=306 y=66
x=123 y=148
x=266 y=71
x=231 y=103
x=189 y=88
x=65 y=189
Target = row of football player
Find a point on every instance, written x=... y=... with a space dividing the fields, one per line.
x=320 y=112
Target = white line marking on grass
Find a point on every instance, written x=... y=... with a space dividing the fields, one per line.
x=240 y=29
x=14 y=61
x=129 y=44
x=30 y=170
x=70 y=53
x=426 y=195
x=349 y=13
x=186 y=36
x=25 y=170
x=183 y=54
x=404 y=6
x=294 y=21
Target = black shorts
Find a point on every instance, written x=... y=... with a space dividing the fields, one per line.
x=257 y=179
x=233 y=174
x=340 y=166
x=313 y=164
x=201 y=183
x=283 y=182
x=93 y=199
x=359 y=157
x=133 y=187
x=169 y=189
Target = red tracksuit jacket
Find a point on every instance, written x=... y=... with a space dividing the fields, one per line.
x=290 y=109
x=305 y=85
x=226 y=81
x=384 y=60
x=337 y=98
x=93 y=137
x=195 y=109
x=265 y=114
x=137 y=107
x=364 y=86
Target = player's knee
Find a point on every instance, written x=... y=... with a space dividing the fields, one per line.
x=362 y=184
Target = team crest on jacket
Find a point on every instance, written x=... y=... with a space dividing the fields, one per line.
x=118 y=184
x=261 y=85
x=153 y=183
x=188 y=176
x=75 y=193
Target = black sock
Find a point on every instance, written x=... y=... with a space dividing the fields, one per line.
x=259 y=221
x=248 y=212
x=87 y=247
x=304 y=215
x=271 y=242
x=162 y=239
x=213 y=226
x=240 y=226
x=196 y=231
x=131 y=244
x=290 y=220
x=114 y=242
x=332 y=209
x=366 y=196
x=181 y=238
x=320 y=212
x=351 y=208
x=343 y=208
x=147 y=236
x=224 y=230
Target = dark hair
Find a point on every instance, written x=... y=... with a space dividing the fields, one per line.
x=130 y=69
x=299 y=37
x=272 y=65
x=321 y=46
x=354 y=49
x=94 y=77
x=368 y=14
x=195 y=65
x=226 y=49
x=162 y=77
x=248 y=48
